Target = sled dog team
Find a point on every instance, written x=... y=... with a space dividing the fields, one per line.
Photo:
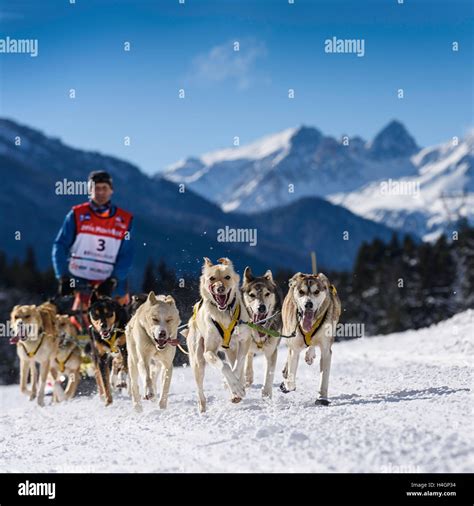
x=135 y=346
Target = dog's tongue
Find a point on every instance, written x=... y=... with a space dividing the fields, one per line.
x=308 y=320
x=221 y=299
x=258 y=317
x=14 y=339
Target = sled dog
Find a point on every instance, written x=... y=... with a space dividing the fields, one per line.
x=216 y=325
x=311 y=310
x=33 y=329
x=262 y=299
x=151 y=342
x=108 y=319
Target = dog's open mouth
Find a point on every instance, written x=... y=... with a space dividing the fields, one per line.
x=14 y=339
x=221 y=299
x=161 y=343
x=105 y=334
x=258 y=317
x=307 y=322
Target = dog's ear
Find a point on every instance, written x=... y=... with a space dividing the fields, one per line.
x=294 y=279
x=268 y=275
x=47 y=318
x=169 y=300
x=248 y=275
x=322 y=277
x=207 y=262
x=225 y=261
x=152 y=298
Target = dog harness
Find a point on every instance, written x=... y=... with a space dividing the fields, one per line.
x=97 y=243
x=31 y=354
x=111 y=341
x=62 y=363
x=225 y=332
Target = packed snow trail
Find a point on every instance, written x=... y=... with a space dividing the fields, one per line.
x=400 y=403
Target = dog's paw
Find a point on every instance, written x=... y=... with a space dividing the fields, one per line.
x=40 y=402
x=202 y=406
x=267 y=393
x=235 y=399
x=309 y=356
x=148 y=397
x=163 y=404
x=138 y=408
x=322 y=402
x=284 y=389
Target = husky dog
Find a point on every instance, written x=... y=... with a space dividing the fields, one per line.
x=311 y=310
x=34 y=335
x=216 y=326
x=108 y=319
x=67 y=358
x=262 y=299
x=151 y=342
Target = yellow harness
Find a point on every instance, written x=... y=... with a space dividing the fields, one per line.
x=62 y=363
x=225 y=332
x=31 y=354
x=111 y=342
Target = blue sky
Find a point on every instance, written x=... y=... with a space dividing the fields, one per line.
x=232 y=93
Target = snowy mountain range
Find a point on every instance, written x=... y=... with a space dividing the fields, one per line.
x=178 y=227
x=390 y=179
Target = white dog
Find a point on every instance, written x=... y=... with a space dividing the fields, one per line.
x=216 y=326
x=151 y=344
x=311 y=310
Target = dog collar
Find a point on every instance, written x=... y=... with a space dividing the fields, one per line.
x=308 y=336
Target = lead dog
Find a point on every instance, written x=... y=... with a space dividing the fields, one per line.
x=216 y=326
x=151 y=342
x=34 y=334
x=262 y=298
x=311 y=310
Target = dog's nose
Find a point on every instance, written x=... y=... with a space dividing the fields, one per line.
x=221 y=289
x=308 y=305
x=162 y=334
x=262 y=308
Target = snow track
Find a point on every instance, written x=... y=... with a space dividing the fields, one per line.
x=400 y=403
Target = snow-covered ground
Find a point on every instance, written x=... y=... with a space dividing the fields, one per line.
x=400 y=403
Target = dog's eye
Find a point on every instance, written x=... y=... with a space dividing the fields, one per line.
x=169 y=320
x=252 y=295
x=267 y=294
x=212 y=278
x=227 y=277
x=316 y=292
x=301 y=292
x=155 y=320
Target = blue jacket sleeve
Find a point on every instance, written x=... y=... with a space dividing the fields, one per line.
x=123 y=262
x=62 y=244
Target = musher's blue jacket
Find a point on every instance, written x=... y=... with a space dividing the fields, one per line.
x=65 y=239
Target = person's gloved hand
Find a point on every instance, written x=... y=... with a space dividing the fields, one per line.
x=64 y=286
x=107 y=287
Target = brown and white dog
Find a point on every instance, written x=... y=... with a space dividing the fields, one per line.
x=66 y=360
x=262 y=298
x=34 y=334
x=311 y=310
x=216 y=326
x=151 y=343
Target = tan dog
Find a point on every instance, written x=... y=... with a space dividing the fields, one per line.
x=262 y=298
x=34 y=333
x=151 y=343
x=215 y=326
x=311 y=311
x=66 y=360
